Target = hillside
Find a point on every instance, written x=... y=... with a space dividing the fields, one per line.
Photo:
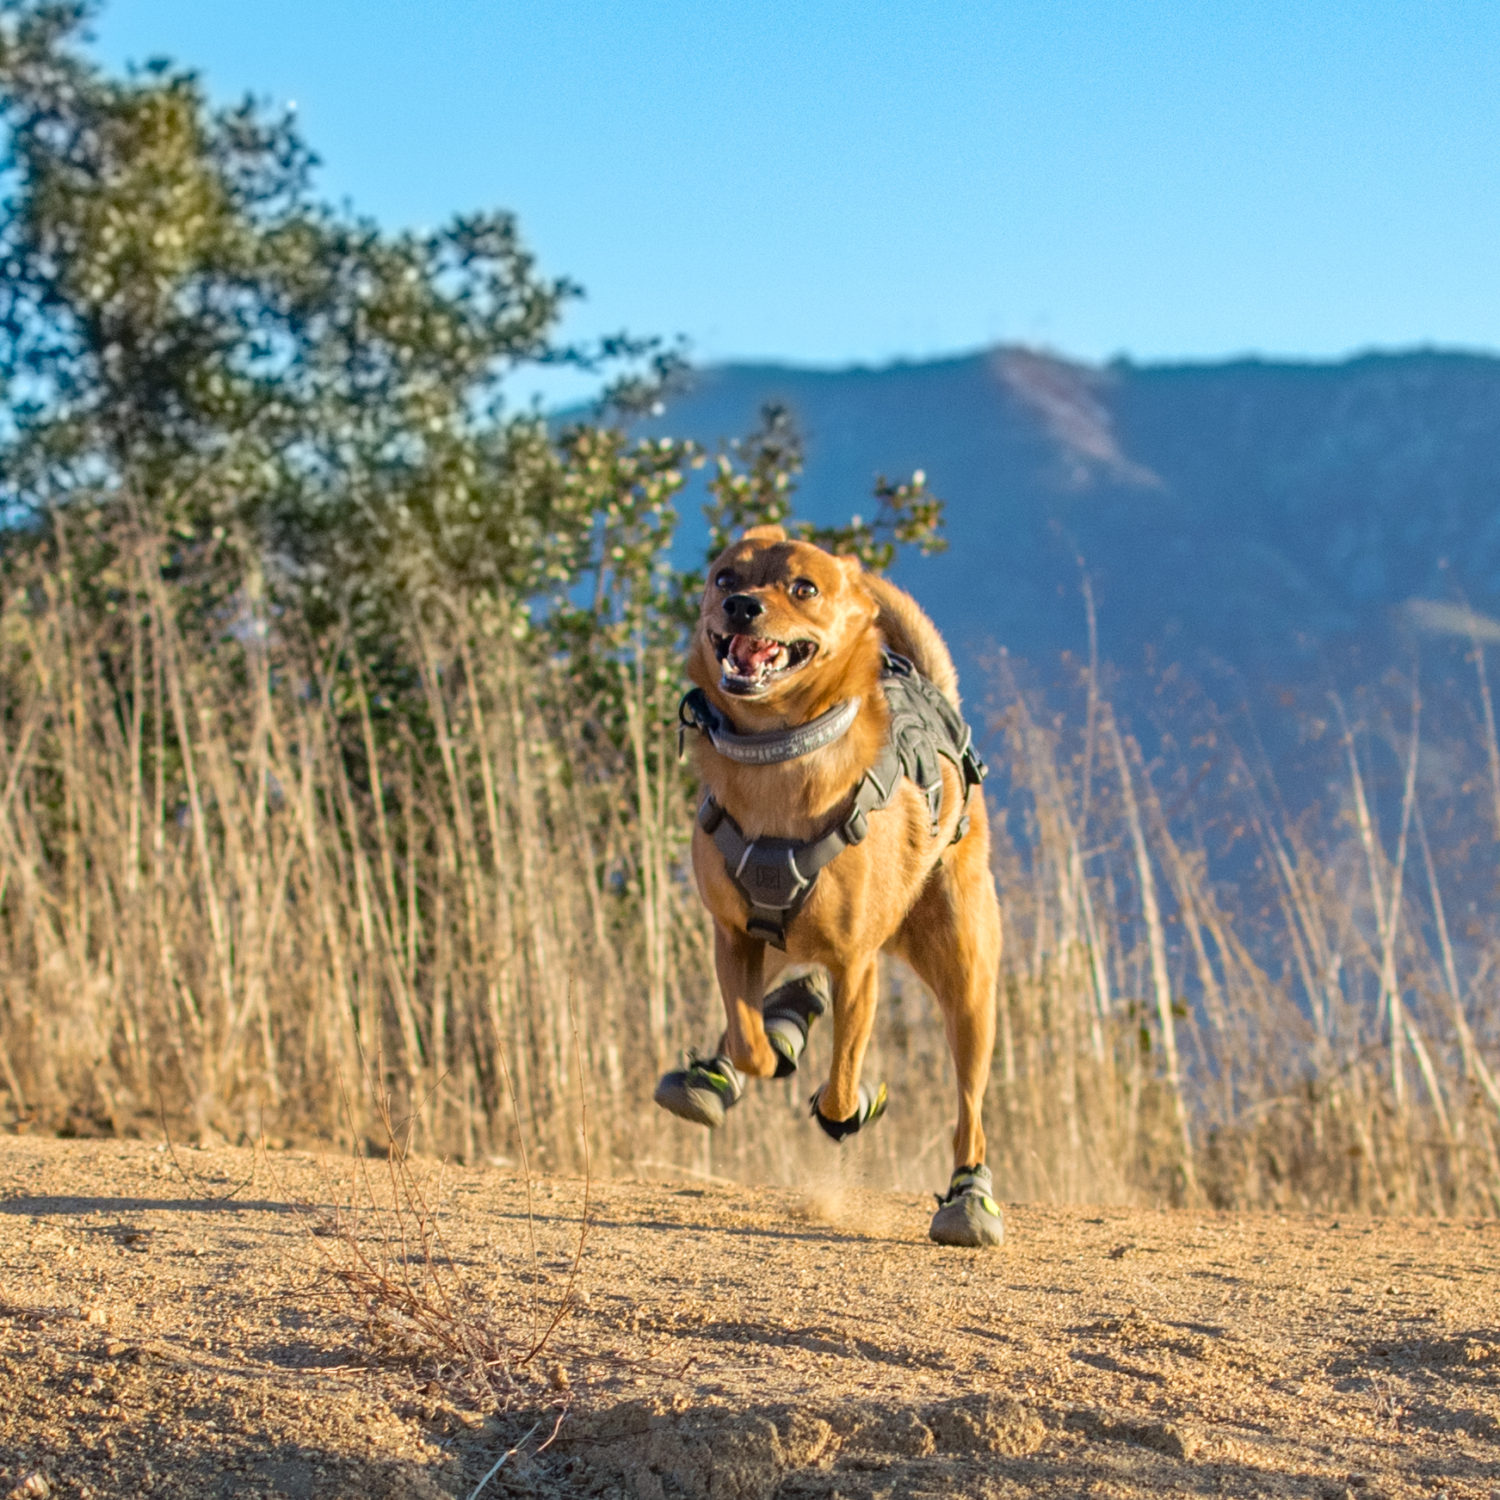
x=1271 y=519
x=159 y=1337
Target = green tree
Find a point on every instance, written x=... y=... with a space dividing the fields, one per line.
x=300 y=620
x=186 y=330
x=185 y=326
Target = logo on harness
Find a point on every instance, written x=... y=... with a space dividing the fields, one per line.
x=768 y=871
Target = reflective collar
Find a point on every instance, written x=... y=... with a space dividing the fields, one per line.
x=775 y=745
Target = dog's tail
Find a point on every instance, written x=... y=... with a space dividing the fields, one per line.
x=908 y=631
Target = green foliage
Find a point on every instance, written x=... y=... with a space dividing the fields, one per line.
x=753 y=483
x=187 y=329
x=190 y=340
x=753 y=479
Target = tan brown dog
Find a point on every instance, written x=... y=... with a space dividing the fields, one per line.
x=801 y=710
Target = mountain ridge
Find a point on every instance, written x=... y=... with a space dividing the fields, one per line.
x=1274 y=517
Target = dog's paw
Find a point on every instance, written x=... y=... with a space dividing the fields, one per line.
x=789 y=1011
x=871 y=1107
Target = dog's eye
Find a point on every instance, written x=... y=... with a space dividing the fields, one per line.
x=723 y=579
x=804 y=588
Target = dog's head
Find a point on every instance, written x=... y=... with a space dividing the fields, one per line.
x=784 y=624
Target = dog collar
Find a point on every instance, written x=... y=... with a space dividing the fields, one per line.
x=771 y=747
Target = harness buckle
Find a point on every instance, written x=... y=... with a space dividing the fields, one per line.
x=694 y=712
x=766 y=930
x=710 y=814
x=770 y=878
x=973 y=766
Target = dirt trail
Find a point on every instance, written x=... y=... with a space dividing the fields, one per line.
x=734 y=1344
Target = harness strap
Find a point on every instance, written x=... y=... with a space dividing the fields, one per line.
x=775 y=876
x=925 y=727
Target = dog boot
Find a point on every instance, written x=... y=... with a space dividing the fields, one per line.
x=701 y=1090
x=871 y=1107
x=789 y=1012
x=969 y=1214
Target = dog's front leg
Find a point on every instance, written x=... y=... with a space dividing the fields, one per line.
x=853 y=1019
x=741 y=965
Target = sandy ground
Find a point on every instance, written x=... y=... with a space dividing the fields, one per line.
x=726 y=1343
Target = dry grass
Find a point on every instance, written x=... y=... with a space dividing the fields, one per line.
x=230 y=874
x=421 y=1306
x=1208 y=1000
x=385 y=1258
x=233 y=870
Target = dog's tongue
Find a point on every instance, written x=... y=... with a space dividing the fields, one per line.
x=750 y=653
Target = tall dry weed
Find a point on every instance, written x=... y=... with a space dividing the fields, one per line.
x=235 y=868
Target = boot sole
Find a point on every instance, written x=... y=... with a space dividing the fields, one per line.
x=699 y=1106
x=971 y=1222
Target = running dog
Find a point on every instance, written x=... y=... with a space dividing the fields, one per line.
x=837 y=821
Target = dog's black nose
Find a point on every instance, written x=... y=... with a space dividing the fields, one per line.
x=741 y=609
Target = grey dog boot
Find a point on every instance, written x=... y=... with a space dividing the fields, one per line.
x=870 y=1105
x=701 y=1090
x=969 y=1215
x=789 y=1011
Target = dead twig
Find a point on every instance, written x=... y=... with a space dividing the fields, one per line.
x=190 y=1179
x=509 y=1453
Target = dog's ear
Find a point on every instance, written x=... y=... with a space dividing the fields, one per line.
x=764 y=534
x=854 y=572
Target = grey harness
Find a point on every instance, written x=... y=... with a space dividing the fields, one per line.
x=776 y=876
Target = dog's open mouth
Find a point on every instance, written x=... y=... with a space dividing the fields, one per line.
x=751 y=663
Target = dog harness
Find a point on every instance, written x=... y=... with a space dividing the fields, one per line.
x=776 y=876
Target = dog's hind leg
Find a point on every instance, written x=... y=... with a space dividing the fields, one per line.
x=951 y=937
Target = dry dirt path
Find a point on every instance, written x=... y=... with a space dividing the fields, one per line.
x=730 y=1343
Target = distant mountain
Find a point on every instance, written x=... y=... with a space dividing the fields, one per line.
x=1284 y=521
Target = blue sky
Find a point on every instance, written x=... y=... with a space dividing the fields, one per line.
x=837 y=182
